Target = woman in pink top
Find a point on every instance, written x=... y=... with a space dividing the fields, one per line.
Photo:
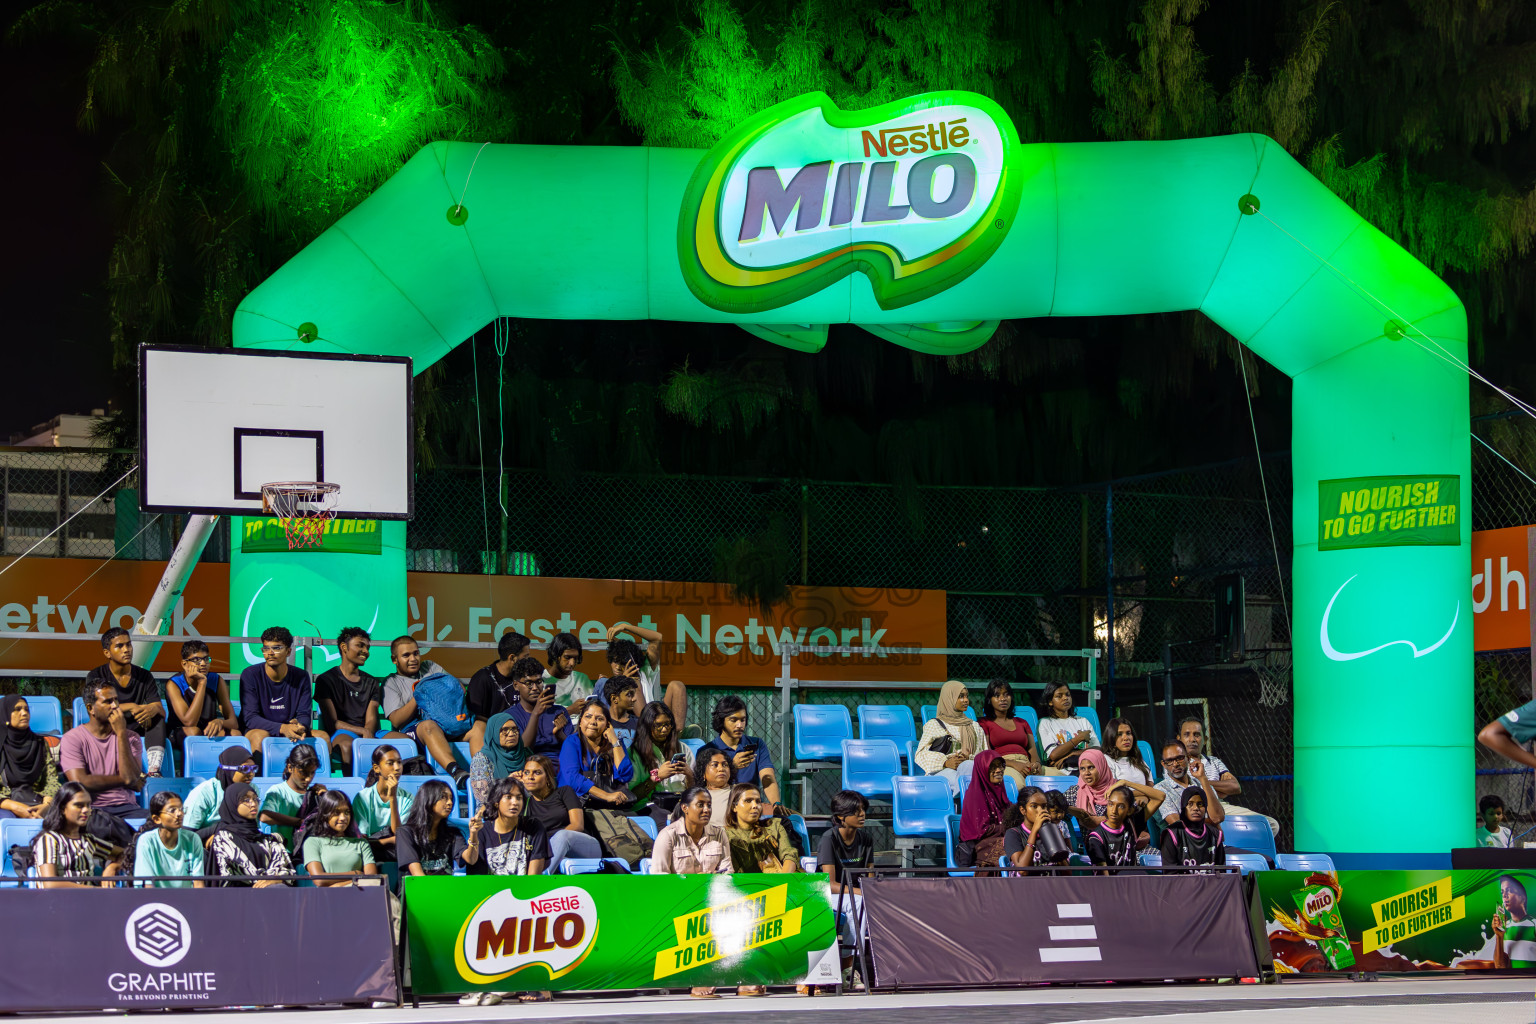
x=1009 y=736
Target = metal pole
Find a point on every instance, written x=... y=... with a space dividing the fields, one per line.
x=1109 y=582
x=1168 y=689
x=172 y=582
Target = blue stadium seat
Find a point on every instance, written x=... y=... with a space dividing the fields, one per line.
x=581 y=866
x=47 y=715
x=411 y=783
x=951 y=840
x=1251 y=832
x=819 y=733
x=1011 y=788
x=275 y=751
x=869 y=766
x=931 y=711
x=181 y=787
x=1031 y=716
x=797 y=825
x=1093 y=720
x=202 y=753
x=820 y=730
x=644 y=867
x=1145 y=750
x=920 y=809
x=647 y=825
x=77 y=712
x=1150 y=860
x=1304 y=862
x=15 y=832
x=888 y=722
x=1248 y=862
x=964 y=773
x=351 y=787
x=362 y=753
x=1046 y=783
x=693 y=745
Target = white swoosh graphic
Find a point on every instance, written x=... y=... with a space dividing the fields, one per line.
x=1337 y=655
x=245 y=630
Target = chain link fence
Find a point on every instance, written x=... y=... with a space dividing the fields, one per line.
x=1126 y=567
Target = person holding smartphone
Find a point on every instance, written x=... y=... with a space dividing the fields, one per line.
x=750 y=761
x=544 y=724
x=558 y=810
x=663 y=763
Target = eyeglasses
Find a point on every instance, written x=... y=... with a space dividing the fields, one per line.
x=198 y=661
x=246 y=769
x=273 y=648
x=1175 y=760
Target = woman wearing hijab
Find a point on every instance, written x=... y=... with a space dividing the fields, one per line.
x=200 y=811
x=501 y=757
x=952 y=738
x=981 y=813
x=29 y=776
x=1193 y=840
x=1095 y=779
x=239 y=846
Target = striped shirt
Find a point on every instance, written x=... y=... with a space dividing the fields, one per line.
x=75 y=858
x=1520 y=942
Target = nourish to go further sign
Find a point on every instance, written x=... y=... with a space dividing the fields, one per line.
x=618 y=932
x=1388 y=511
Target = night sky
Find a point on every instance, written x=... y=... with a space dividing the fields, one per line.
x=59 y=235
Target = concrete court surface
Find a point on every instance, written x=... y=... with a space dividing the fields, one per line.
x=1420 y=1001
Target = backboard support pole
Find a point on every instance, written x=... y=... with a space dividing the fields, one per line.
x=172 y=582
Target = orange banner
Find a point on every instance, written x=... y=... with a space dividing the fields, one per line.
x=709 y=638
x=1500 y=589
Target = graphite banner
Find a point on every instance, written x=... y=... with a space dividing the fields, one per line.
x=993 y=931
x=150 y=949
x=618 y=932
x=1398 y=920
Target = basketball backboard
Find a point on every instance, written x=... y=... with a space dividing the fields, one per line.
x=215 y=425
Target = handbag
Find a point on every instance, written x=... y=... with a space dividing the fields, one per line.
x=944 y=744
x=621 y=837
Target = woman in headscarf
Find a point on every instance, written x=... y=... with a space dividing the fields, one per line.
x=238 y=846
x=502 y=756
x=950 y=739
x=29 y=776
x=200 y=810
x=981 y=813
x=1095 y=779
x=1193 y=840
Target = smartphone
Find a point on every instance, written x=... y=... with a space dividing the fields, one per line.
x=679 y=758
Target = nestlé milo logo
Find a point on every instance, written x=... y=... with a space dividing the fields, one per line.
x=915 y=194
x=505 y=934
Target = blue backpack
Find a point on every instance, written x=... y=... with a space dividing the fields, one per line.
x=440 y=698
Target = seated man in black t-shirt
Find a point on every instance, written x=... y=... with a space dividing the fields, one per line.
x=490 y=690
x=138 y=695
x=199 y=698
x=348 y=696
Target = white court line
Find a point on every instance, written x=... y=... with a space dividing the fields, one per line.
x=1514 y=1012
x=1067 y=910
x=1068 y=954
x=1072 y=932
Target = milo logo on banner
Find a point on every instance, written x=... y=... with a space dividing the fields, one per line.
x=916 y=194
x=505 y=934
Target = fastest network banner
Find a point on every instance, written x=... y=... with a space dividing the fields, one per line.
x=1398 y=920
x=618 y=932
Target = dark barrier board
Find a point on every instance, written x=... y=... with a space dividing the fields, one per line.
x=1398 y=920
x=149 y=949
x=617 y=932
x=996 y=931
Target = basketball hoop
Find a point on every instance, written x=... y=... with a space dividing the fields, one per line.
x=303 y=507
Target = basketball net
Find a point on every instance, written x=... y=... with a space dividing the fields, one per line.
x=302 y=507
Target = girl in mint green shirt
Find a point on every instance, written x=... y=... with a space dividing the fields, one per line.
x=332 y=845
x=165 y=848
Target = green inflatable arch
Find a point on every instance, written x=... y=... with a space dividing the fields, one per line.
x=925 y=222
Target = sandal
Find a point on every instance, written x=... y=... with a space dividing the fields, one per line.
x=751 y=990
x=805 y=990
x=703 y=992
x=535 y=997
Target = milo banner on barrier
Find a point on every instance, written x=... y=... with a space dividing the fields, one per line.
x=1398 y=920
x=618 y=932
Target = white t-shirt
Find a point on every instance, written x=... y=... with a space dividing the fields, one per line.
x=1054 y=730
x=1123 y=771
x=1502 y=839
